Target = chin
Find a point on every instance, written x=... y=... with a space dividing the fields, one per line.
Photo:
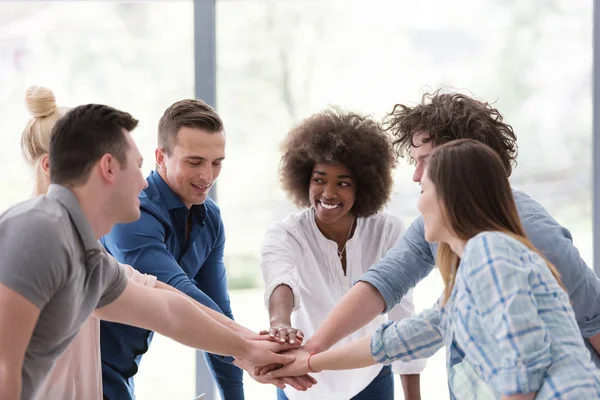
x=134 y=216
x=327 y=219
x=431 y=238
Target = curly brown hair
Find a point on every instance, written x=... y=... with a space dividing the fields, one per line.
x=335 y=136
x=445 y=117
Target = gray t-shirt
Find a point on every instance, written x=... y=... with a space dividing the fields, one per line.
x=50 y=256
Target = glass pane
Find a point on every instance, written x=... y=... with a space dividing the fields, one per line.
x=135 y=56
x=280 y=61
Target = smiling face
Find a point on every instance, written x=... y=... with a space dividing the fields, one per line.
x=332 y=192
x=193 y=165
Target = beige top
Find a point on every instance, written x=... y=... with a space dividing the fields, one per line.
x=77 y=374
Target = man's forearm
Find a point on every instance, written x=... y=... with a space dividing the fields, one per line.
x=217 y=316
x=215 y=338
x=10 y=382
x=356 y=309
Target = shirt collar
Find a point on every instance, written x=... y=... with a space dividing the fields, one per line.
x=170 y=198
x=167 y=194
x=70 y=202
x=319 y=235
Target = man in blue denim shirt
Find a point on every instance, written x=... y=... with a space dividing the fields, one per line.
x=441 y=118
x=179 y=239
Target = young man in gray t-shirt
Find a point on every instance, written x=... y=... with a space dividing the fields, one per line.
x=54 y=275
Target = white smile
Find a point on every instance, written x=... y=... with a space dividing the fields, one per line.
x=200 y=187
x=329 y=206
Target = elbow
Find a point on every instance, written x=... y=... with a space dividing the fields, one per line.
x=372 y=297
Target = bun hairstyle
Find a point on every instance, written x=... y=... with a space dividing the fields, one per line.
x=35 y=140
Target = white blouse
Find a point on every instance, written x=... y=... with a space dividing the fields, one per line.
x=295 y=253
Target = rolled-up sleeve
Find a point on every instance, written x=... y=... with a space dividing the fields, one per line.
x=414 y=338
x=138 y=277
x=407 y=263
x=277 y=262
x=406 y=309
x=500 y=288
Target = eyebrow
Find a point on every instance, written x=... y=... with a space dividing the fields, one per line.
x=200 y=158
x=339 y=176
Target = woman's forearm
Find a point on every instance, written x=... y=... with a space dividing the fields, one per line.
x=350 y=356
x=281 y=304
x=411 y=384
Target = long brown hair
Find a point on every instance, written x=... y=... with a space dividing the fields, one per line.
x=472 y=185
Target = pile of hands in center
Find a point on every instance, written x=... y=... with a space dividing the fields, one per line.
x=285 y=340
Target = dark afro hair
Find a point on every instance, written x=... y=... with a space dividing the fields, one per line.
x=334 y=136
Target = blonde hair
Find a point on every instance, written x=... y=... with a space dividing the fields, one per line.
x=35 y=140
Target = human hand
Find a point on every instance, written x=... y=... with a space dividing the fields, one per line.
x=299 y=367
x=300 y=383
x=264 y=352
x=284 y=332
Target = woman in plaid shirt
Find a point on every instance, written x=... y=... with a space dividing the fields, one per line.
x=504 y=316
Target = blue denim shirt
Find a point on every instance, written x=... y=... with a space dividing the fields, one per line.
x=155 y=244
x=413 y=258
x=508 y=329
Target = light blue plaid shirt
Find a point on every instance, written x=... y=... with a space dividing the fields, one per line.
x=508 y=328
x=413 y=258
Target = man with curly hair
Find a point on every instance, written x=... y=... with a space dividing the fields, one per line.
x=337 y=165
x=441 y=118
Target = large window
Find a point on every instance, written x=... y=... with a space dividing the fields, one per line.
x=279 y=61
x=135 y=56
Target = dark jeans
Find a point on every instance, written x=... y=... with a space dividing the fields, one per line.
x=382 y=388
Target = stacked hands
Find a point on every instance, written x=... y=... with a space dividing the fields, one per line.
x=285 y=361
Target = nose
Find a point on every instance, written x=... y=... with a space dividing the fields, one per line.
x=330 y=191
x=206 y=173
x=418 y=174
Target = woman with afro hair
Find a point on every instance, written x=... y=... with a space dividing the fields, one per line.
x=338 y=166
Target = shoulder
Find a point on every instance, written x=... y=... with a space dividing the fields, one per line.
x=527 y=206
x=384 y=220
x=34 y=231
x=384 y=225
x=38 y=218
x=296 y=225
x=489 y=246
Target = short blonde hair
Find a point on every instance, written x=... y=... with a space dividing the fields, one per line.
x=35 y=139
